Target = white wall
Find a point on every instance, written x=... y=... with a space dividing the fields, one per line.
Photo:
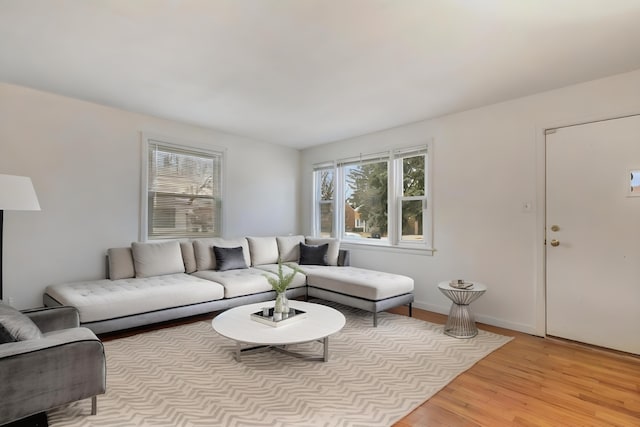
x=84 y=160
x=487 y=163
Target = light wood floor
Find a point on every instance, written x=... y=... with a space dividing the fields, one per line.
x=533 y=381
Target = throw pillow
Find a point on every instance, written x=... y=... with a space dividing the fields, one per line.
x=333 y=251
x=313 y=255
x=120 y=263
x=229 y=258
x=15 y=326
x=188 y=256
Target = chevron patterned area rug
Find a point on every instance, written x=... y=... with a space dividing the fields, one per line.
x=187 y=376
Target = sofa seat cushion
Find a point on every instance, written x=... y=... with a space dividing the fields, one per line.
x=358 y=282
x=109 y=299
x=298 y=280
x=238 y=283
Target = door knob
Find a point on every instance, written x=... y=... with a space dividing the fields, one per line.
x=555 y=228
x=555 y=242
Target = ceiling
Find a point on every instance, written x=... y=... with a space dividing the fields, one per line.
x=306 y=72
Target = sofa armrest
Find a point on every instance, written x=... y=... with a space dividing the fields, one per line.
x=54 y=319
x=344 y=258
x=62 y=367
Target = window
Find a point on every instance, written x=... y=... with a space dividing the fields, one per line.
x=182 y=197
x=325 y=190
x=378 y=199
x=365 y=191
x=411 y=195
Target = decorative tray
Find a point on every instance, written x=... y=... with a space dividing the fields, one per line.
x=460 y=284
x=266 y=316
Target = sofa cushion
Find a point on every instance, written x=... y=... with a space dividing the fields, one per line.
x=332 y=252
x=120 y=263
x=110 y=299
x=238 y=283
x=229 y=258
x=264 y=250
x=288 y=247
x=313 y=254
x=205 y=258
x=157 y=259
x=188 y=257
x=359 y=282
x=15 y=326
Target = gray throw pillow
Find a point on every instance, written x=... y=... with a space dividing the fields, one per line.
x=15 y=326
x=313 y=254
x=229 y=258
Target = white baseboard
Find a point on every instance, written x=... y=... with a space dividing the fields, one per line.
x=489 y=320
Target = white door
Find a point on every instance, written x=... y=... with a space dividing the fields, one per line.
x=593 y=256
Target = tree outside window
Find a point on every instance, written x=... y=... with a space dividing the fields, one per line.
x=366 y=194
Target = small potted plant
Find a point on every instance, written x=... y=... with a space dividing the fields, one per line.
x=280 y=285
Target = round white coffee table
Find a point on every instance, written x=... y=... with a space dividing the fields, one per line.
x=252 y=336
x=461 y=322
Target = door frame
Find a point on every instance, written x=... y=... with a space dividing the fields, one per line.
x=541 y=207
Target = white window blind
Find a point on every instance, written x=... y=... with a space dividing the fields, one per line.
x=183 y=192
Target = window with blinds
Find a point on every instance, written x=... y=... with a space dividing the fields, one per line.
x=183 y=192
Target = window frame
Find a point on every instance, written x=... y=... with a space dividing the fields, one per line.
x=398 y=193
x=206 y=150
x=395 y=198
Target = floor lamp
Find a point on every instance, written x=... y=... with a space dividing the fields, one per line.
x=16 y=194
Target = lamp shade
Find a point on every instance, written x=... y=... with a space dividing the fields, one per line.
x=17 y=194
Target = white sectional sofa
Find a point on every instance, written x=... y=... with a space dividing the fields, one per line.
x=155 y=282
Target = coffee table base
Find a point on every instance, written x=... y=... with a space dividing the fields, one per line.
x=282 y=349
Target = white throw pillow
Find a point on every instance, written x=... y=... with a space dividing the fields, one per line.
x=157 y=259
x=188 y=257
x=120 y=263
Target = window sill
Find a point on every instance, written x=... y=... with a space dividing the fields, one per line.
x=424 y=251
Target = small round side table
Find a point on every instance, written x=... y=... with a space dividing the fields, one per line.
x=461 y=323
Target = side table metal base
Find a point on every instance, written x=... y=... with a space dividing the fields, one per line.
x=461 y=323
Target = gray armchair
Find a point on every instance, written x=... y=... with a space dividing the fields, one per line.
x=59 y=364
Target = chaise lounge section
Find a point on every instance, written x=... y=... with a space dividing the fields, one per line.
x=156 y=282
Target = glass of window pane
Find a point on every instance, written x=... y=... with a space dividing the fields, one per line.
x=413 y=176
x=326 y=219
x=412 y=220
x=366 y=204
x=326 y=185
x=180 y=216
